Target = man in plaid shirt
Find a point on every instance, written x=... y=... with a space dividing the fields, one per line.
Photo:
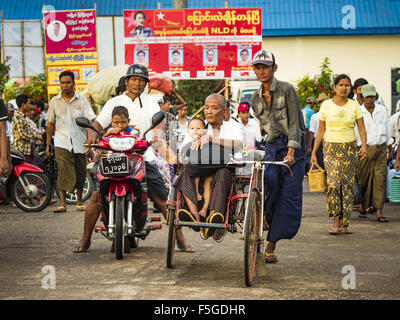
x=23 y=137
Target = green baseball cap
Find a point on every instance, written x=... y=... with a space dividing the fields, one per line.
x=368 y=90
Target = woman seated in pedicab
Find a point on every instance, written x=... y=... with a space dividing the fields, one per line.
x=206 y=156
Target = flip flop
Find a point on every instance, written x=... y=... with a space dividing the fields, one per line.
x=331 y=231
x=185 y=248
x=80 y=208
x=362 y=215
x=186 y=216
x=79 y=246
x=270 y=257
x=215 y=218
x=60 y=209
x=382 y=219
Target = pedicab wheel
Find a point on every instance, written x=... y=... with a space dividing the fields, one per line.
x=171 y=237
x=251 y=236
x=119 y=225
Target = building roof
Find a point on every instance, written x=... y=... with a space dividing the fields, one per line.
x=280 y=17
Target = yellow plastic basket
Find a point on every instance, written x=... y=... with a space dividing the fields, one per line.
x=316 y=178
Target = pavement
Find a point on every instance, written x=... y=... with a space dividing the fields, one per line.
x=37 y=262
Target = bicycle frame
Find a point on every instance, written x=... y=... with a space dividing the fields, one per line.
x=256 y=183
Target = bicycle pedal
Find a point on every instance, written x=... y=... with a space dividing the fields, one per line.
x=156 y=227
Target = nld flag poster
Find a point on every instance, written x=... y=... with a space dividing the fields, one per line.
x=194 y=43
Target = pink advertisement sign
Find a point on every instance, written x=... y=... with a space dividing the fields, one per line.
x=70 y=31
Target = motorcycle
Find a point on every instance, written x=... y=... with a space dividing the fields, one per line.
x=27 y=186
x=123 y=188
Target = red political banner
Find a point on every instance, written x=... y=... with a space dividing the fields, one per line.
x=194 y=43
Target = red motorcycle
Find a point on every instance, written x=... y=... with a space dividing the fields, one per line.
x=123 y=189
x=27 y=186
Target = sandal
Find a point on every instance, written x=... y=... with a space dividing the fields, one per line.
x=382 y=219
x=60 y=209
x=346 y=231
x=362 y=214
x=186 y=216
x=79 y=247
x=335 y=231
x=270 y=257
x=186 y=248
x=215 y=218
x=80 y=207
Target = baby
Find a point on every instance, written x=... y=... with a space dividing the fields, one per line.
x=196 y=129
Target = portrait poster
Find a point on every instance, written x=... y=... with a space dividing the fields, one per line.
x=70 y=40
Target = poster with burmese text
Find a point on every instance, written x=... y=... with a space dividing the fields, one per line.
x=70 y=45
x=194 y=43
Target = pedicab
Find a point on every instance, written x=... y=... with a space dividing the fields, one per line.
x=245 y=209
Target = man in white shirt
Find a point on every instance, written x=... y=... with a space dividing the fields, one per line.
x=68 y=139
x=373 y=170
x=141 y=108
x=250 y=127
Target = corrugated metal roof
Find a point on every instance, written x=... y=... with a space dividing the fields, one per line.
x=280 y=18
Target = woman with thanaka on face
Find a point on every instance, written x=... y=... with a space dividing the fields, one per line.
x=337 y=118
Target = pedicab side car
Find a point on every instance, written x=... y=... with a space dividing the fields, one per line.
x=245 y=209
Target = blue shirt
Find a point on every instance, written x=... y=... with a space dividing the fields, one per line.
x=307 y=113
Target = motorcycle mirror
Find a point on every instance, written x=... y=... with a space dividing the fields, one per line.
x=85 y=123
x=155 y=121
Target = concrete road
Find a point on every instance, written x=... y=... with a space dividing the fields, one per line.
x=313 y=265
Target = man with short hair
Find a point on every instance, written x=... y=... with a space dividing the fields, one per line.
x=358 y=84
x=373 y=170
x=175 y=61
x=210 y=62
x=277 y=107
x=244 y=58
x=68 y=139
x=250 y=127
x=141 y=58
x=23 y=137
x=141 y=108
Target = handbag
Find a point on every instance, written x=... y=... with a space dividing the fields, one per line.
x=207 y=160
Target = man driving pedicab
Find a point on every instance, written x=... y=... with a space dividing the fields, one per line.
x=277 y=107
x=219 y=133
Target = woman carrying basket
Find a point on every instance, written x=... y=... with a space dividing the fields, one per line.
x=337 y=118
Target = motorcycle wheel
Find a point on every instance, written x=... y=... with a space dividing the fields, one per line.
x=39 y=185
x=70 y=197
x=119 y=227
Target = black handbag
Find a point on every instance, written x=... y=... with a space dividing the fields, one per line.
x=207 y=160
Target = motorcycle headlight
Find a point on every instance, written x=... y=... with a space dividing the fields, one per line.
x=122 y=144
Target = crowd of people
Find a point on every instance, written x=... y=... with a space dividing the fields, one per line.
x=350 y=135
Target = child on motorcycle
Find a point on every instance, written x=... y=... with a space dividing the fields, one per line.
x=119 y=121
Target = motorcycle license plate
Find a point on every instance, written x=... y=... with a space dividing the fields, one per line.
x=115 y=164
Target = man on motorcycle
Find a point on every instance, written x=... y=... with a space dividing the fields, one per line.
x=141 y=108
